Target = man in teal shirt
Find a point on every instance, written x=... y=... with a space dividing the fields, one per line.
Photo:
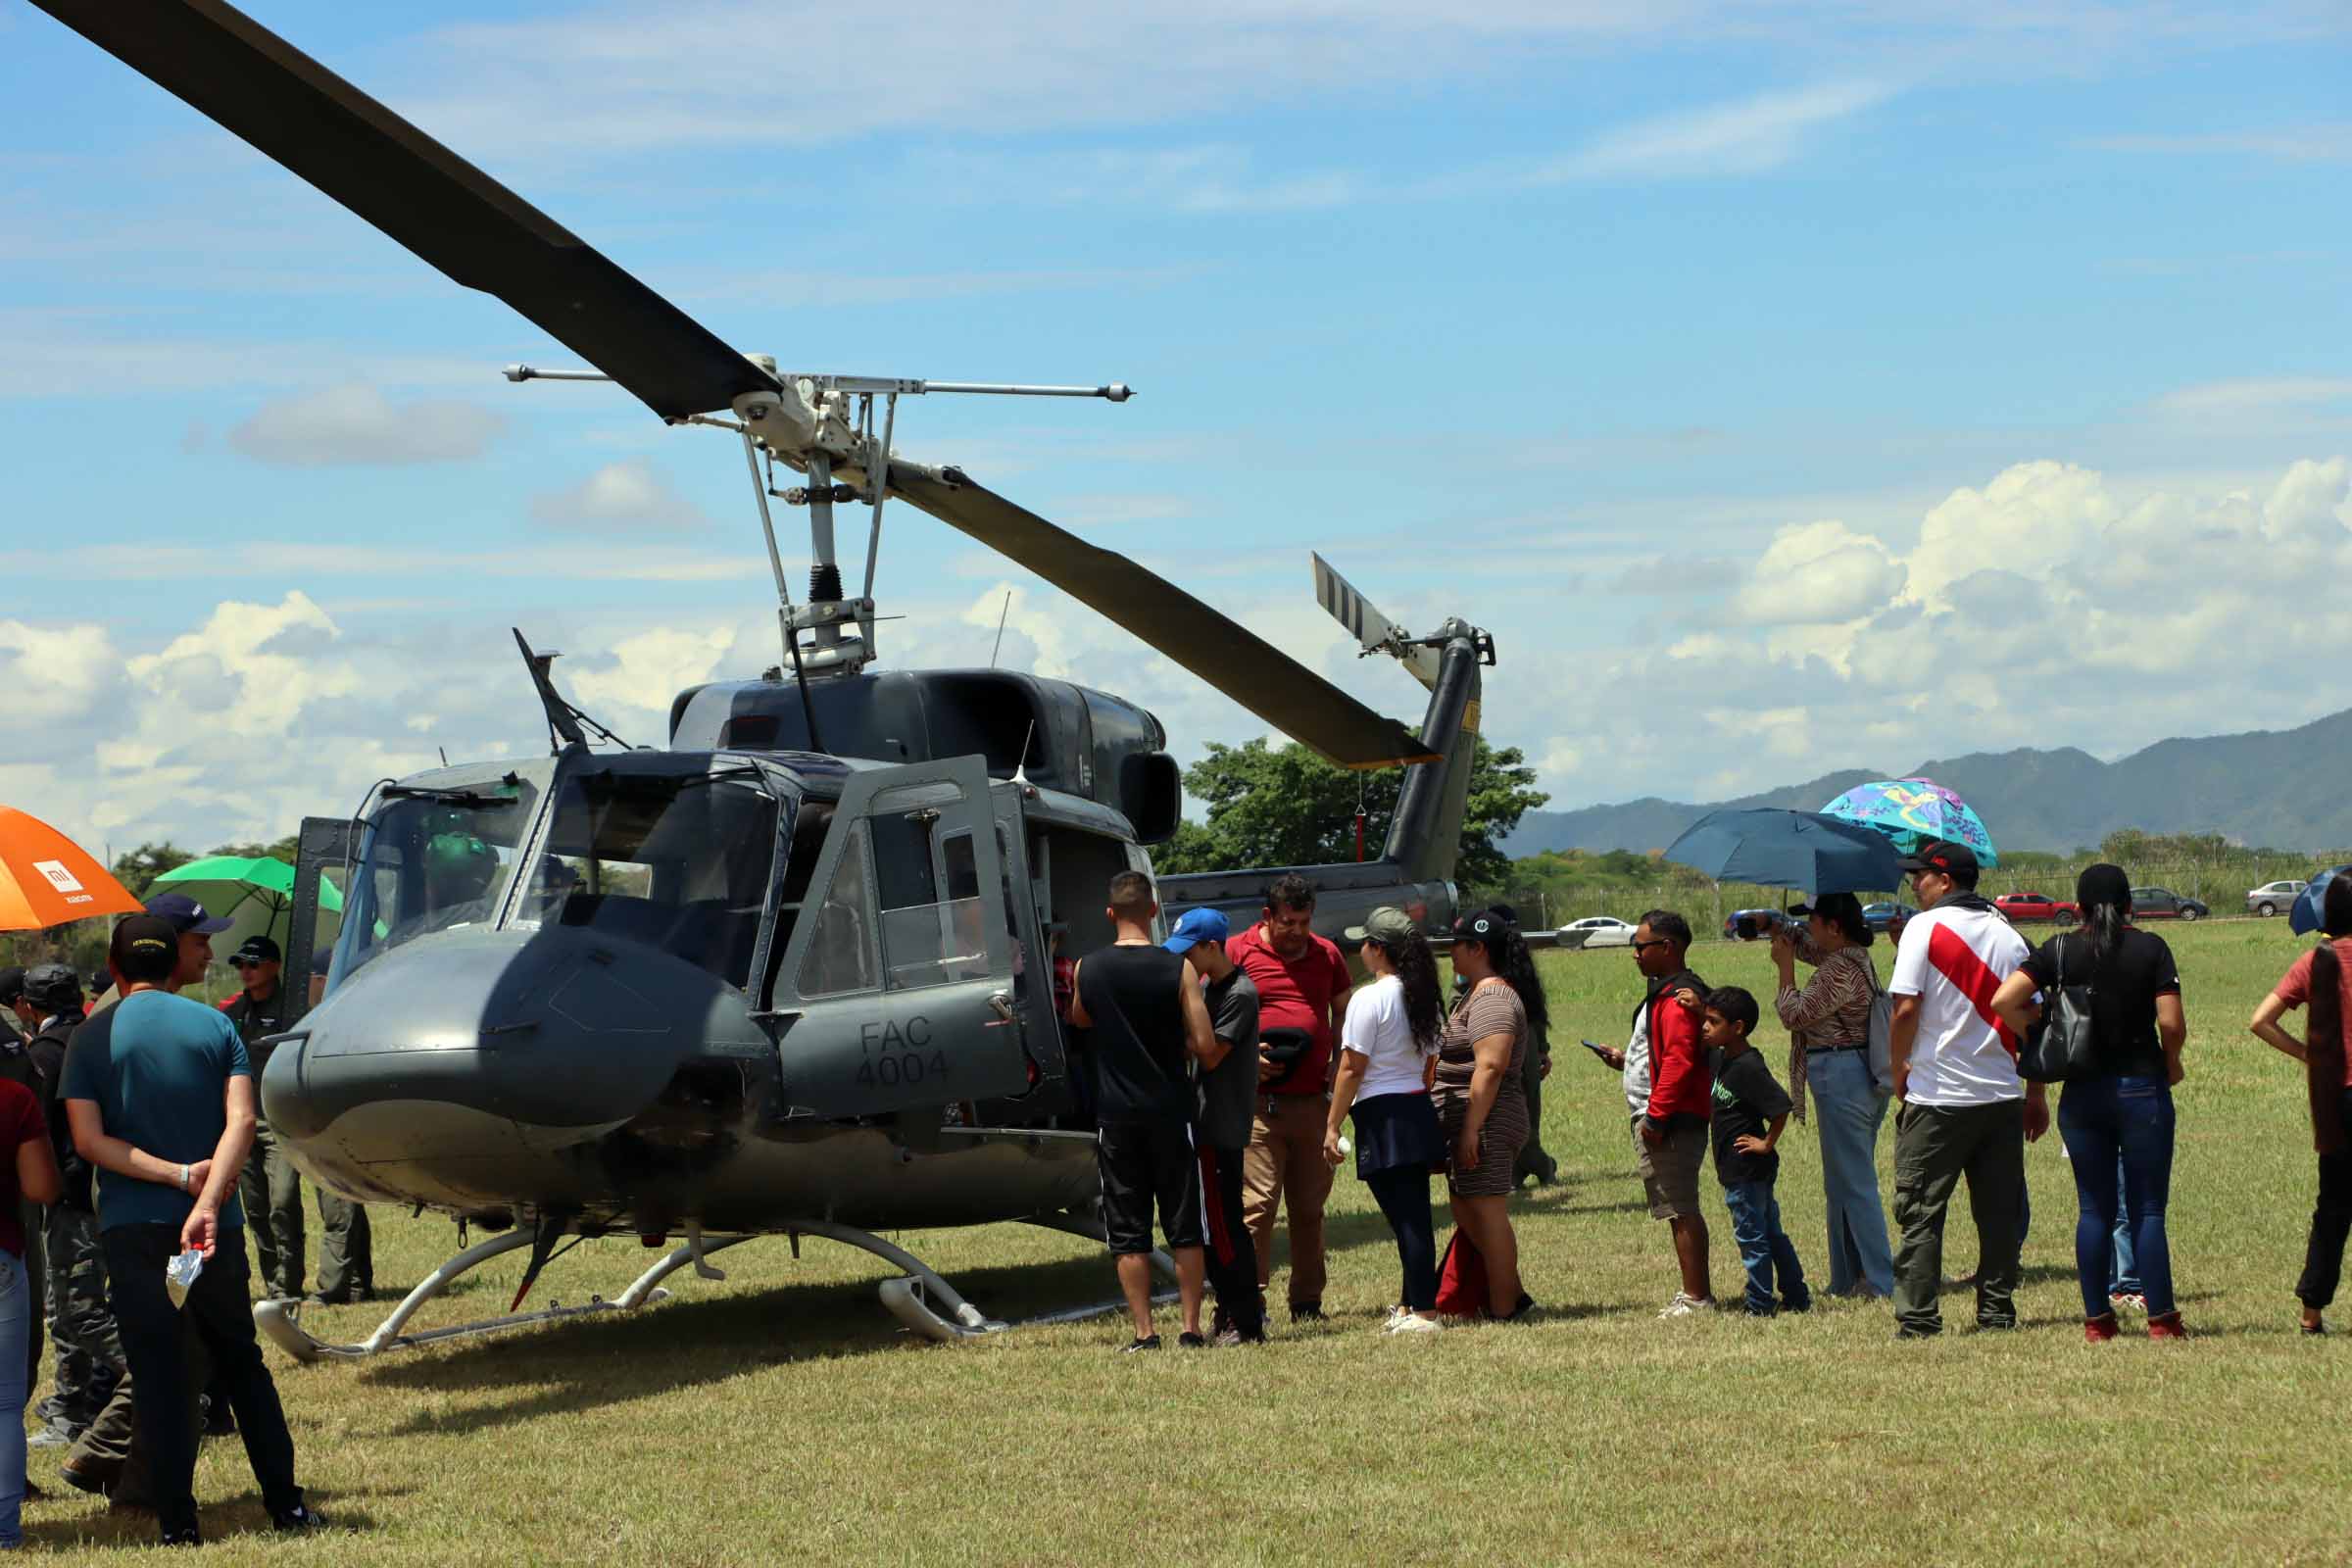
x=161 y=1102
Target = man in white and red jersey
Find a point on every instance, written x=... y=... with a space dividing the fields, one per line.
x=1965 y=1112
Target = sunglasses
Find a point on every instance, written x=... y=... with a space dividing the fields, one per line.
x=1654 y=941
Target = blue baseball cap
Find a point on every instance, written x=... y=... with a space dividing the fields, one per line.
x=186 y=915
x=1196 y=926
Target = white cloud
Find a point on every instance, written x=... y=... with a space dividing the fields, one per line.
x=652 y=667
x=625 y=497
x=1818 y=573
x=2046 y=607
x=356 y=423
x=2256 y=395
x=2298 y=144
x=53 y=671
x=1747 y=137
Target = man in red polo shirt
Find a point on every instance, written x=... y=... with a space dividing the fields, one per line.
x=1303 y=986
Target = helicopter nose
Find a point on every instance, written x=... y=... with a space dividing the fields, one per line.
x=471 y=1043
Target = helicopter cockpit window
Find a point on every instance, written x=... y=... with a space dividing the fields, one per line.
x=433 y=862
x=841 y=951
x=674 y=861
x=927 y=887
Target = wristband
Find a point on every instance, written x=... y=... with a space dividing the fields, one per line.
x=184 y=1178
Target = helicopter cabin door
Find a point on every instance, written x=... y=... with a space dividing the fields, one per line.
x=898 y=979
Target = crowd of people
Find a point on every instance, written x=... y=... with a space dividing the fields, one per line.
x=135 y=1123
x=1217 y=1049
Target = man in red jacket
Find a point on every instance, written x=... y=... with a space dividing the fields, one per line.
x=1669 y=1093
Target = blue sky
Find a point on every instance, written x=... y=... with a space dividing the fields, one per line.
x=1788 y=387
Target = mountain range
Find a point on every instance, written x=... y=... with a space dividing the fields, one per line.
x=2275 y=788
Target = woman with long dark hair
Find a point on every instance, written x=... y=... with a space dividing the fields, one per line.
x=1385 y=1046
x=2122 y=1115
x=1479 y=1101
x=2322 y=979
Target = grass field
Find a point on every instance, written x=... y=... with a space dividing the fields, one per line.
x=780 y=1415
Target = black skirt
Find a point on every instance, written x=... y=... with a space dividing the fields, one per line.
x=1396 y=1130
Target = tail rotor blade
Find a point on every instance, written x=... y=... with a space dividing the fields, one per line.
x=1373 y=631
x=262 y=88
x=1236 y=661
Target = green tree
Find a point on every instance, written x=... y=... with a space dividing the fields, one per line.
x=136 y=870
x=1285 y=805
x=283 y=849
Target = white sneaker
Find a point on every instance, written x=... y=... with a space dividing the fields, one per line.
x=1395 y=1312
x=1408 y=1323
x=1686 y=1306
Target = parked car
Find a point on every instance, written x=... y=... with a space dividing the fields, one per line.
x=2274 y=898
x=1887 y=917
x=2162 y=903
x=1747 y=925
x=1595 y=931
x=2020 y=907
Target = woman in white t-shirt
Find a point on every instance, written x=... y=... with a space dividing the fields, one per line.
x=1387 y=1046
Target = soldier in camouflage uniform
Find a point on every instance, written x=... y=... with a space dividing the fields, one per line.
x=270 y=1185
x=89 y=1355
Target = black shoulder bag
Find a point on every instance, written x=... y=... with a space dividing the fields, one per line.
x=2064 y=1048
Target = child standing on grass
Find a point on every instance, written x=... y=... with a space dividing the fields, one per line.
x=1750 y=1109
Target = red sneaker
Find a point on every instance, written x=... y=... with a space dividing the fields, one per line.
x=2167 y=1326
x=2099 y=1330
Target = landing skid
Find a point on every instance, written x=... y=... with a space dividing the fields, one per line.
x=922 y=1301
x=286 y=1332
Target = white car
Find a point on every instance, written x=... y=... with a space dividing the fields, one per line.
x=2274 y=898
x=1596 y=931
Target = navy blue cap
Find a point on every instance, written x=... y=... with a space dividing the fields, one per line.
x=1196 y=926
x=186 y=915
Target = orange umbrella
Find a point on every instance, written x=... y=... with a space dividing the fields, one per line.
x=46 y=879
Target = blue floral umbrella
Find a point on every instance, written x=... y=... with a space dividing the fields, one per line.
x=1914 y=811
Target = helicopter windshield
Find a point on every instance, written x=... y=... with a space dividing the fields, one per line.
x=678 y=862
x=434 y=860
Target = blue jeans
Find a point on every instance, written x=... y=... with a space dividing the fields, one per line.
x=16 y=1335
x=1765 y=1250
x=2127 y=1263
x=1848 y=1110
x=2119 y=1139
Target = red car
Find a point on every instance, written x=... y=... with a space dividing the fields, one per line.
x=2020 y=907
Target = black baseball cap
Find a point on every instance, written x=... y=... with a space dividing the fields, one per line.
x=1941 y=855
x=12 y=985
x=144 y=935
x=186 y=915
x=257 y=949
x=1482 y=928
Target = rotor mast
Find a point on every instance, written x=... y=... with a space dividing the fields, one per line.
x=824 y=425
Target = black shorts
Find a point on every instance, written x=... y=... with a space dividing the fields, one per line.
x=1142 y=1164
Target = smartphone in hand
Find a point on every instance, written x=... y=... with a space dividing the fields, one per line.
x=1607 y=1056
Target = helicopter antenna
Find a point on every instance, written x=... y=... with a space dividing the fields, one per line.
x=564 y=720
x=999 y=645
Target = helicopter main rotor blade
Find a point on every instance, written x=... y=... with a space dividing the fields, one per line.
x=262 y=88
x=1236 y=661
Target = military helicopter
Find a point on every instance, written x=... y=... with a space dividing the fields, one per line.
x=792 y=973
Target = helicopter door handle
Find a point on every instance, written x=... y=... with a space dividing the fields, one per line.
x=1005 y=1014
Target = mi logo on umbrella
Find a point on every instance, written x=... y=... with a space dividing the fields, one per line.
x=61 y=879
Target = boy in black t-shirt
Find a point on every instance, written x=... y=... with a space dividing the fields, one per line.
x=1750 y=1109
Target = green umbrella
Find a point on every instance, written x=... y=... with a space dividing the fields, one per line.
x=257 y=894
